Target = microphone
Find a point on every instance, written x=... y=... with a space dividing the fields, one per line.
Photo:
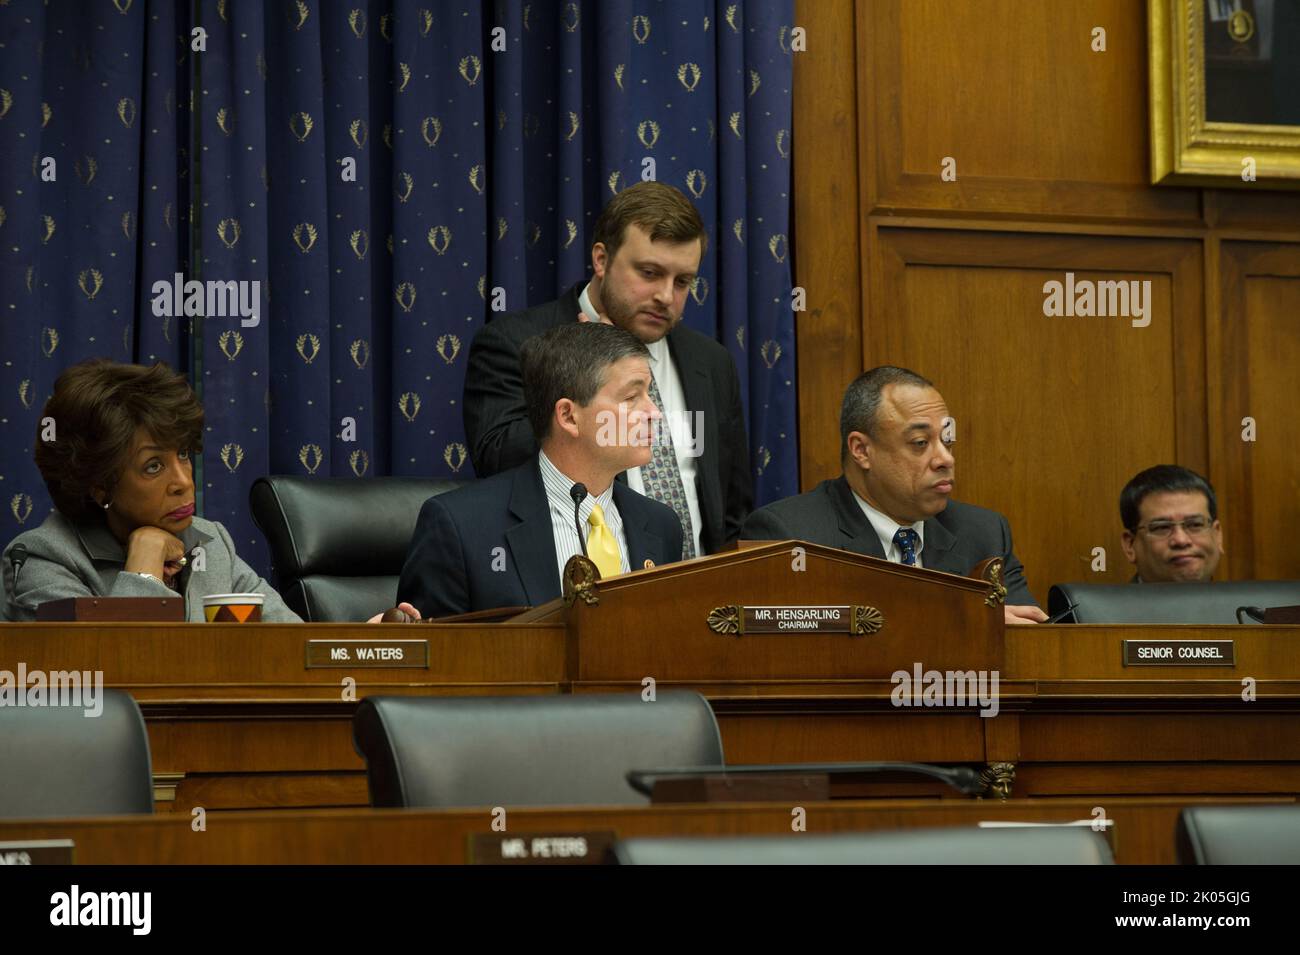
x=1062 y=614
x=579 y=494
x=18 y=557
x=1255 y=613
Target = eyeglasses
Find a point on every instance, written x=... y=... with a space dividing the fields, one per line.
x=1162 y=529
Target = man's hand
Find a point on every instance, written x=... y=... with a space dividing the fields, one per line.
x=604 y=319
x=406 y=608
x=1024 y=614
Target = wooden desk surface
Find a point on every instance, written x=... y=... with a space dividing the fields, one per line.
x=188 y=662
x=1143 y=834
x=237 y=720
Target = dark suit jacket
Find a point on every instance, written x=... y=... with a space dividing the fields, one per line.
x=449 y=567
x=956 y=539
x=496 y=417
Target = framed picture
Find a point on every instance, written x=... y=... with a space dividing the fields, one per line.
x=1225 y=92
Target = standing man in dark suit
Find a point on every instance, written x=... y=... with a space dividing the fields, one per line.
x=503 y=541
x=892 y=501
x=648 y=245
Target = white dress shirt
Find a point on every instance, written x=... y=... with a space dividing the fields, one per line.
x=563 y=529
x=676 y=417
x=886 y=527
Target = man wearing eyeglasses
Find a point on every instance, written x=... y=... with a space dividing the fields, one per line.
x=1171 y=527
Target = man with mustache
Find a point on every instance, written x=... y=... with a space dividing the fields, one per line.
x=648 y=244
x=1171 y=526
x=893 y=499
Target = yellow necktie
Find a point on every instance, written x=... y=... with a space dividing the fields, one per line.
x=602 y=547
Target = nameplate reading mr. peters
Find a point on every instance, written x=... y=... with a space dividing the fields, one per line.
x=37 y=852
x=563 y=848
x=335 y=654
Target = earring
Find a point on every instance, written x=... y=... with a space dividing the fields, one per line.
x=107 y=506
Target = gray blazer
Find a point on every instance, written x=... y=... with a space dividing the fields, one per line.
x=956 y=539
x=85 y=560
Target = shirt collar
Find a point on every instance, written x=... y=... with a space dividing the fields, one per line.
x=558 y=484
x=584 y=303
x=886 y=527
x=100 y=543
x=658 y=350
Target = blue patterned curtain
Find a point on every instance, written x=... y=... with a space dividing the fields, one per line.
x=93 y=195
x=484 y=137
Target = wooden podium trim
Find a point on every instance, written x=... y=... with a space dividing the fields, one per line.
x=580 y=576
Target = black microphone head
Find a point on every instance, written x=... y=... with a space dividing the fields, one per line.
x=578 y=492
x=1254 y=613
x=18 y=552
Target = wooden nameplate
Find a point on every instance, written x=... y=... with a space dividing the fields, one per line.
x=108 y=609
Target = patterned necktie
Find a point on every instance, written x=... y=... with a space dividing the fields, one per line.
x=906 y=539
x=602 y=547
x=663 y=478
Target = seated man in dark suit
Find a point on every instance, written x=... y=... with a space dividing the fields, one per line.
x=648 y=245
x=503 y=541
x=892 y=501
x=1171 y=526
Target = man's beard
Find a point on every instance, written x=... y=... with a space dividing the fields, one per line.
x=623 y=313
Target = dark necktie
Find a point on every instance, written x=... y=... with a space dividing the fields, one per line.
x=906 y=539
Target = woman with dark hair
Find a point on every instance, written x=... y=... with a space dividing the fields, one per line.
x=118 y=468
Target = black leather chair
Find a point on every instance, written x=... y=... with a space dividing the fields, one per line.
x=1168 y=603
x=339 y=543
x=57 y=761
x=956 y=846
x=1239 y=835
x=527 y=750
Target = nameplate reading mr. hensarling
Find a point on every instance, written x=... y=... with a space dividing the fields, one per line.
x=798 y=619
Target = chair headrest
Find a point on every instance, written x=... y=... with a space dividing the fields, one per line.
x=957 y=845
x=343 y=526
x=1169 y=603
x=1239 y=835
x=58 y=763
x=527 y=750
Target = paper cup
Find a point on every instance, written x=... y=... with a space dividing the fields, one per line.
x=233 y=608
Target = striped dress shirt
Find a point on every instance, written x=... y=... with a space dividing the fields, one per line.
x=563 y=530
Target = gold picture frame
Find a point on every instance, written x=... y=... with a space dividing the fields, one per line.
x=1188 y=149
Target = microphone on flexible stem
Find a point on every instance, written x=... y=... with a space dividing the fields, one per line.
x=18 y=557
x=1255 y=613
x=579 y=494
x=1061 y=614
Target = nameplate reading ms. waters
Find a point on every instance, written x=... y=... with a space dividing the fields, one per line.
x=1179 y=653
x=351 y=654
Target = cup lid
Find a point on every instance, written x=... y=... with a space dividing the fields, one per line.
x=234 y=598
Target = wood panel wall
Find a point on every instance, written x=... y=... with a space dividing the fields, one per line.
x=1051 y=147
